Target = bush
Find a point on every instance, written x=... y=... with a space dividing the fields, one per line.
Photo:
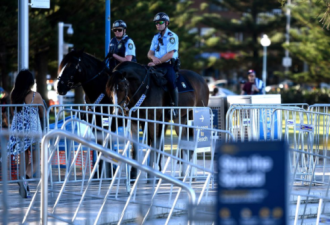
x=304 y=96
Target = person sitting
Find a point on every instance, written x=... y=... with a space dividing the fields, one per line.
x=164 y=47
x=121 y=47
x=254 y=85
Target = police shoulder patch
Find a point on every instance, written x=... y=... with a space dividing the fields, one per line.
x=172 y=40
x=130 y=46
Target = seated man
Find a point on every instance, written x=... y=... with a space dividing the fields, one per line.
x=254 y=86
x=164 y=47
x=121 y=47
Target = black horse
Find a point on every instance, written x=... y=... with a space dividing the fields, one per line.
x=82 y=69
x=129 y=81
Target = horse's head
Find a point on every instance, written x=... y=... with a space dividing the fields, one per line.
x=122 y=83
x=118 y=88
x=68 y=71
x=77 y=68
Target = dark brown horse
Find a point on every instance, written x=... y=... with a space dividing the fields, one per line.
x=129 y=81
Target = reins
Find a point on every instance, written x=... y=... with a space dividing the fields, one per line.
x=126 y=99
x=70 y=82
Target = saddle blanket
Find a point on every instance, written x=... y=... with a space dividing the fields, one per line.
x=183 y=85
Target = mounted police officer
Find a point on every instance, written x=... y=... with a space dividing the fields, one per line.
x=164 y=51
x=121 y=47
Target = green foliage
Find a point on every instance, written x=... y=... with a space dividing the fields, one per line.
x=304 y=96
x=240 y=33
x=8 y=40
x=88 y=21
x=310 y=42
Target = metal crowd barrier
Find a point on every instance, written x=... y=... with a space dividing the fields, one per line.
x=181 y=136
x=322 y=108
x=138 y=198
x=309 y=132
x=73 y=187
x=12 y=173
x=159 y=192
x=96 y=117
x=311 y=201
x=254 y=122
x=16 y=172
x=8 y=111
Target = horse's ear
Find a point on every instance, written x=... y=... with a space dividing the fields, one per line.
x=80 y=51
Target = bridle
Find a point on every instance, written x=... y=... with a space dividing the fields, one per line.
x=126 y=100
x=78 y=68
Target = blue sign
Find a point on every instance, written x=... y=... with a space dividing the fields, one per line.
x=202 y=119
x=252 y=183
x=215 y=119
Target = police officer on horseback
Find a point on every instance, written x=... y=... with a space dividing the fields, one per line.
x=121 y=47
x=164 y=51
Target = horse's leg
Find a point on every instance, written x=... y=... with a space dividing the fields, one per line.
x=186 y=135
x=159 y=136
x=154 y=141
x=135 y=147
x=107 y=166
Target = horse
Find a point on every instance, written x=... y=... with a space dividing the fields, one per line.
x=82 y=69
x=130 y=80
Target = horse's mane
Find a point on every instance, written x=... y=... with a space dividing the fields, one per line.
x=128 y=65
x=120 y=70
x=76 y=54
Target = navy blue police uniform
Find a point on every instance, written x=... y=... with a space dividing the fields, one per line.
x=123 y=47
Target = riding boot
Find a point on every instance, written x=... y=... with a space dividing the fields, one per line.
x=175 y=99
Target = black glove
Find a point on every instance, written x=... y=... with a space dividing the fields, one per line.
x=109 y=56
x=111 y=51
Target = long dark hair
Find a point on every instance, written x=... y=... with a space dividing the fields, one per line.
x=23 y=84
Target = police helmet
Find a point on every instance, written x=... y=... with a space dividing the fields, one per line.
x=161 y=16
x=119 y=23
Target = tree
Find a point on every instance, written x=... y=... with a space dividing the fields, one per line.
x=139 y=17
x=324 y=15
x=240 y=32
x=87 y=19
x=310 y=42
x=8 y=40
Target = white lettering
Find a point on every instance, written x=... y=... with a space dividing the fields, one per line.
x=230 y=180
x=244 y=171
x=203 y=139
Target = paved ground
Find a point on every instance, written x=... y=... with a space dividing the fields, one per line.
x=114 y=206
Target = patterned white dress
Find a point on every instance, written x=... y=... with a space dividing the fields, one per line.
x=25 y=121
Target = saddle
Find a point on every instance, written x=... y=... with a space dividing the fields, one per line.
x=158 y=75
